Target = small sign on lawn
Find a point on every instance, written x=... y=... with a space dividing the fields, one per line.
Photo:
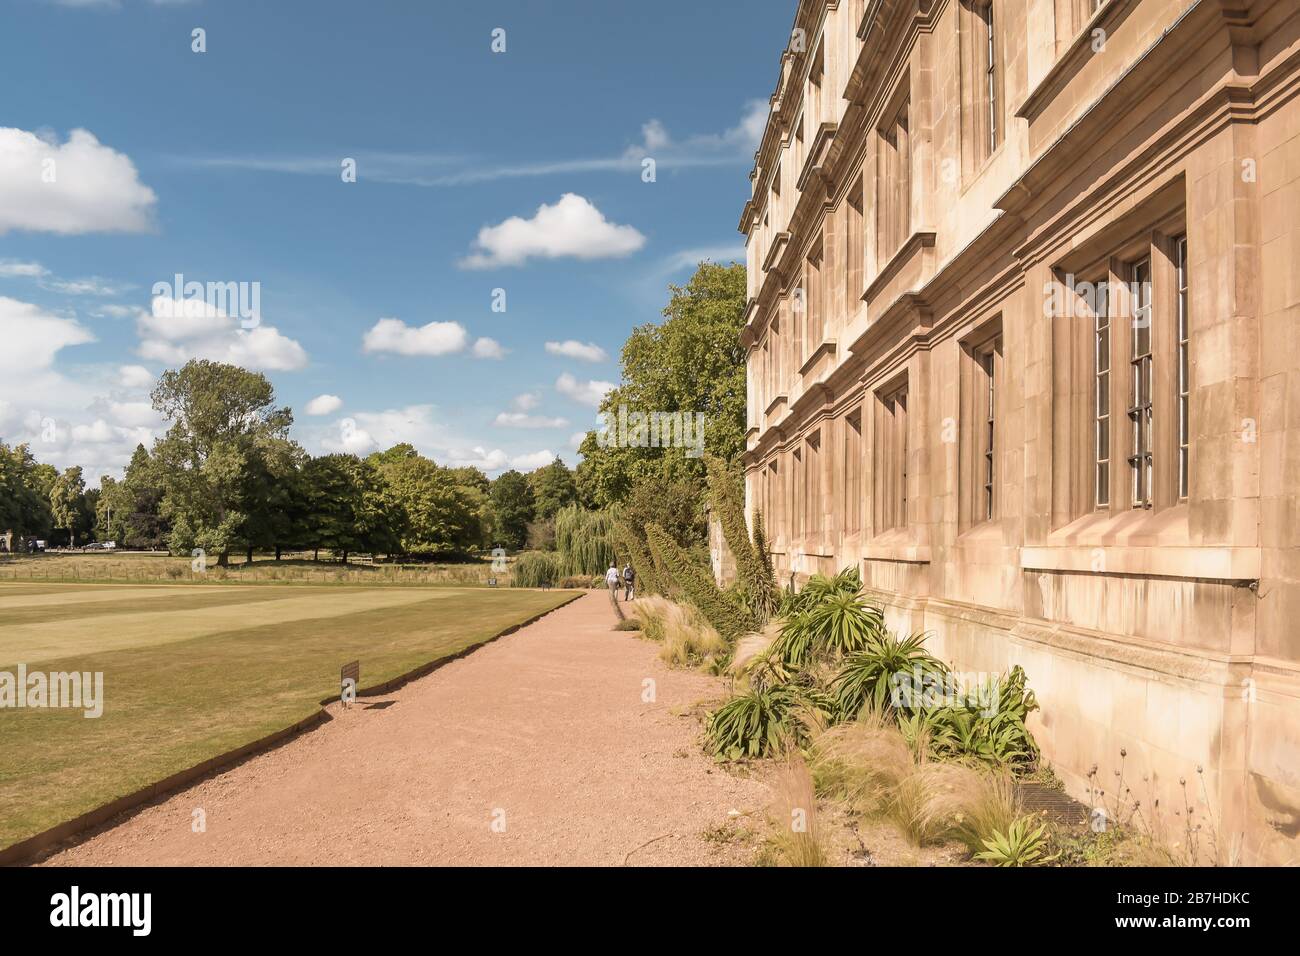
x=348 y=679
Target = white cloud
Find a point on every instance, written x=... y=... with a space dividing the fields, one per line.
x=524 y=420
x=436 y=338
x=323 y=405
x=705 y=149
x=93 y=419
x=176 y=330
x=92 y=285
x=98 y=432
x=135 y=414
x=525 y=402
x=486 y=348
x=16 y=268
x=351 y=439
x=32 y=336
x=113 y=311
x=573 y=227
x=533 y=461
x=576 y=440
x=94 y=187
x=478 y=457
x=571 y=348
x=732 y=147
x=690 y=258
x=135 y=376
x=588 y=393
x=425 y=427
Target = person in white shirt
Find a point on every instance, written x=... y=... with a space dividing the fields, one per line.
x=612 y=578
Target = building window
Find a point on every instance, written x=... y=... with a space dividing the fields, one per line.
x=814 y=325
x=894 y=184
x=815 y=74
x=987 y=362
x=1084 y=10
x=853 y=471
x=990 y=76
x=982 y=80
x=891 y=461
x=798 y=146
x=797 y=479
x=1101 y=396
x=1141 y=459
x=854 y=238
x=980 y=386
x=771 y=486
x=1184 y=388
x=813 y=485
x=1125 y=337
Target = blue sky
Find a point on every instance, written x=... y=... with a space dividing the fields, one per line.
x=226 y=166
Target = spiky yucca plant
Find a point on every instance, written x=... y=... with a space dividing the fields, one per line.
x=866 y=680
x=765 y=721
x=1021 y=845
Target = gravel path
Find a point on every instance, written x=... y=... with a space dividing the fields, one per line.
x=537 y=749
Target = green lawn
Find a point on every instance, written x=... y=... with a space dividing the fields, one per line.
x=190 y=673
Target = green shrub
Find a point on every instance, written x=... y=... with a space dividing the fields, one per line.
x=762 y=722
x=841 y=623
x=727 y=615
x=727 y=496
x=817 y=589
x=579 y=581
x=533 y=569
x=867 y=679
x=1021 y=845
x=765 y=556
x=584 y=541
x=974 y=730
x=631 y=544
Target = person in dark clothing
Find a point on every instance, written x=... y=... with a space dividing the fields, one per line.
x=629 y=579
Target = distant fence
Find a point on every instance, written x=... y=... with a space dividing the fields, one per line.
x=105 y=570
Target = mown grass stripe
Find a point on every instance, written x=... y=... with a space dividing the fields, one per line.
x=171 y=706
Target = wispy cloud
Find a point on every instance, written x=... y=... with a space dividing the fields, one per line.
x=733 y=146
x=88 y=286
x=721 y=254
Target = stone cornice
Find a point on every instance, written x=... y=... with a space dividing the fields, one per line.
x=818 y=155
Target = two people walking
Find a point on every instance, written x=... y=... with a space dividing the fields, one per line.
x=627 y=578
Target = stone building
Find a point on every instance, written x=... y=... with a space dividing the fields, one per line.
x=1024 y=345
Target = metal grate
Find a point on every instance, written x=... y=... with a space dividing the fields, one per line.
x=1056 y=804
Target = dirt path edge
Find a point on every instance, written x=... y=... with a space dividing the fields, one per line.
x=61 y=836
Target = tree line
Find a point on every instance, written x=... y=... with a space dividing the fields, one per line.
x=227 y=478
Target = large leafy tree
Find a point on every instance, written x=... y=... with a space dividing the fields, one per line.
x=691 y=362
x=145 y=526
x=224 y=421
x=112 y=510
x=347 y=507
x=24 y=493
x=553 y=488
x=512 y=509
x=67 y=501
x=444 y=509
